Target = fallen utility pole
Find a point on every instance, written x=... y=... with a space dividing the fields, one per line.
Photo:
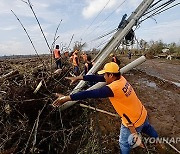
x=112 y=44
x=116 y=39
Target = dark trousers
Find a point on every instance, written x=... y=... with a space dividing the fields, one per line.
x=76 y=70
x=58 y=63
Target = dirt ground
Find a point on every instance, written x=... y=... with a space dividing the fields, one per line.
x=156 y=83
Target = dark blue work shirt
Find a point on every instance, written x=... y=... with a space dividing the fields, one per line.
x=102 y=92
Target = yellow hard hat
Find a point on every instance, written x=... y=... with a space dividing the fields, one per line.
x=111 y=67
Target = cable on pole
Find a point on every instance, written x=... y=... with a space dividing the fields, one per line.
x=160 y=7
x=166 y=9
x=154 y=4
x=159 y=11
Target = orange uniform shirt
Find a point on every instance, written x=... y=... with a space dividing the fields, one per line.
x=57 y=53
x=126 y=102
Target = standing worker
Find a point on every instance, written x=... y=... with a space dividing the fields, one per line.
x=76 y=63
x=88 y=64
x=124 y=100
x=115 y=59
x=57 y=57
x=84 y=57
x=129 y=54
x=66 y=54
x=71 y=56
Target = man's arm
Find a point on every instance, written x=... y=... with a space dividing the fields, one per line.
x=59 y=53
x=91 y=78
x=94 y=78
x=102 y=92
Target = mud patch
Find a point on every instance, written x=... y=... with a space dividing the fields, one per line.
x=148 y=83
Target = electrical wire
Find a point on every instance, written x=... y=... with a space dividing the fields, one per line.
x=107 y=17
x=154 y=4
x=158 y=7
x=104 y=41
x=108 y=33
x=166 y=9
x=159 y=11
x=166 y=4
x=95 y=18
x=104 y=35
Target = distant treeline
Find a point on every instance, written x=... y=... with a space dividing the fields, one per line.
x=21 y=56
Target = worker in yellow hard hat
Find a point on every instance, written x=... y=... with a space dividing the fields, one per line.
x=124 y=100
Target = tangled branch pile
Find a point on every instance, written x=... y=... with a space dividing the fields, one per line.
x=28 y=124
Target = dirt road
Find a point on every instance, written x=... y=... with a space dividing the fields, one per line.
x=164 y=69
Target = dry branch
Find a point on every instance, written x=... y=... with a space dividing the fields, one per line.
x=38 y=87
x=35 y=132
x=172 y=147
x=10 y=74
x=99 y=110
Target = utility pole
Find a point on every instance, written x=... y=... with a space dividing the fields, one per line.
x=112 y=44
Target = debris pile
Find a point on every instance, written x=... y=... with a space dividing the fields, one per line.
x=29 y=124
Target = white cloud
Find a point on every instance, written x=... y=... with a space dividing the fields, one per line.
x=17 y=6
x=94 y=6
x=21 y=9
x=8 y=28
x=134 y=3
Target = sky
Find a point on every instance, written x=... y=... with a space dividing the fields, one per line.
x=85 y=19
